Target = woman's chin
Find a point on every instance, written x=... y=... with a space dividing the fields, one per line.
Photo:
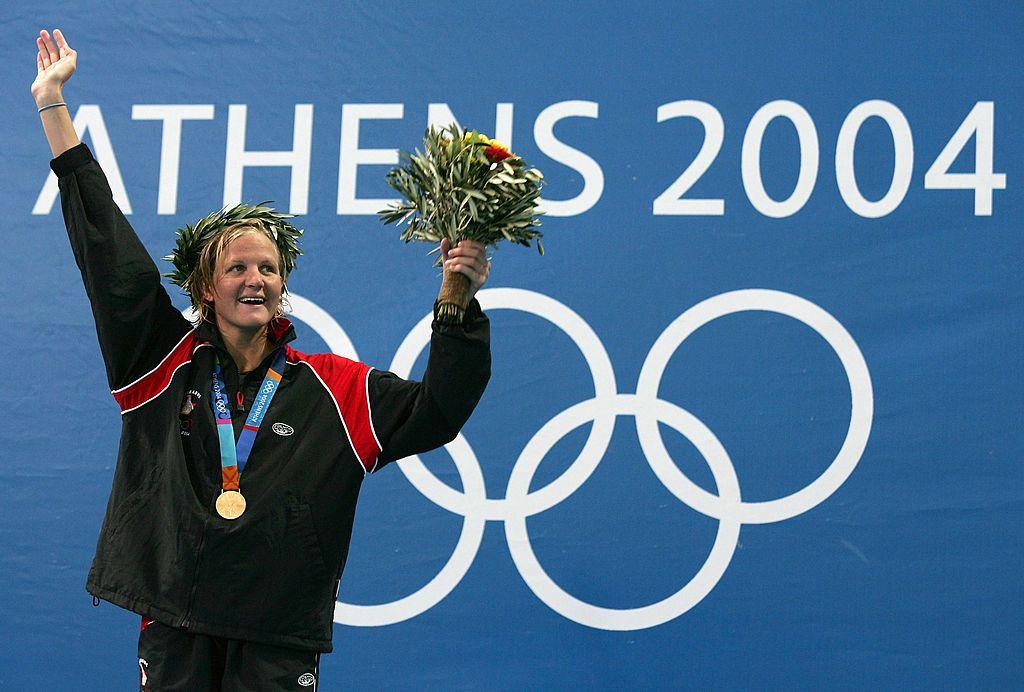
x=250 y=322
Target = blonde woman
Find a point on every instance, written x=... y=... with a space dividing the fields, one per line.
x=241 y=458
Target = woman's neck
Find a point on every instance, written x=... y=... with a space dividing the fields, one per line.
x=247 y=348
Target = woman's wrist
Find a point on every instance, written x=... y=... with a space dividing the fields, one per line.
x=48 y=96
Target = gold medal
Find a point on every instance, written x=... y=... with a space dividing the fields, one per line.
x=230 y=504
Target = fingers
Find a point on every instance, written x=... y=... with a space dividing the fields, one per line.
x=469 y=258
x=44 y=55
x=476 y=276
x=472 y=250
x=477 y=265
x=62 y=42
x=54 y=54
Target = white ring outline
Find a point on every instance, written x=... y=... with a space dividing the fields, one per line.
x=580 y=469
x=623 y=619
x=861 y=405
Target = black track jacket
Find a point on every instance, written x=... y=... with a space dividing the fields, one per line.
x=271 y=575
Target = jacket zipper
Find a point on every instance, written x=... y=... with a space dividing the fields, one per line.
x=195 y=580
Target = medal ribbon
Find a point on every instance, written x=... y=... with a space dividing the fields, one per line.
x=232 y=459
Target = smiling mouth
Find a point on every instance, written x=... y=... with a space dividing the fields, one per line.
x=252 y=300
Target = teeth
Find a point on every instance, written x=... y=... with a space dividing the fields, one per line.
x=252 y=301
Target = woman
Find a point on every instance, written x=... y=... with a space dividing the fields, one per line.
x=231 y=546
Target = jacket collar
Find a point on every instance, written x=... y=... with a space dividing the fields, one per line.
x=280 y=333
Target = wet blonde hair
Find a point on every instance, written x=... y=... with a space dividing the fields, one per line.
x=202 y=278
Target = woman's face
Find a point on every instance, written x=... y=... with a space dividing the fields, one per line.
x=247 y=270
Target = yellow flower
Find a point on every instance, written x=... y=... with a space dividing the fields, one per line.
x=481 y=138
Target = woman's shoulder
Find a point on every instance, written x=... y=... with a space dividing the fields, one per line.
x=325 y=362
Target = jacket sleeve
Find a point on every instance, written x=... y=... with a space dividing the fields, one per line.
x=409 y=417
x=136 y=323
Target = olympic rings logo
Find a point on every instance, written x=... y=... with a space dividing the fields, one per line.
x=607 y=404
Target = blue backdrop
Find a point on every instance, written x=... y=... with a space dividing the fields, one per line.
x=754 y=420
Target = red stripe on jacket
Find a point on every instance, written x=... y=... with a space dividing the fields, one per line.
x=150 y=385
x=346 y=382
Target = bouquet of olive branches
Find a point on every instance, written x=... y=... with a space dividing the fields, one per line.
x=464 y=186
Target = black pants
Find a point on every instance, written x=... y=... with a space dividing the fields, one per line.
x=173 y=659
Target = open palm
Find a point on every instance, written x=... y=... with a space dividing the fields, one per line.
x=55 y=62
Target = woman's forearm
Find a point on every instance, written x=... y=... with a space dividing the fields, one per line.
x=60 y=132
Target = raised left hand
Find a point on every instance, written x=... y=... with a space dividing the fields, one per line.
x=55 y=63
x=469 y=257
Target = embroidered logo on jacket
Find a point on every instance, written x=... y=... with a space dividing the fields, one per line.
x=306 y=679
x=192 y=398
x=188 y=405
x=282 y=429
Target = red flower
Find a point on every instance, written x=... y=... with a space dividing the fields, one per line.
x=496 y=154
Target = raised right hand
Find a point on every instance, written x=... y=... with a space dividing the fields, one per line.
x=55 y=64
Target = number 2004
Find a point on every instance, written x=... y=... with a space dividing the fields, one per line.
x=979 y=123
